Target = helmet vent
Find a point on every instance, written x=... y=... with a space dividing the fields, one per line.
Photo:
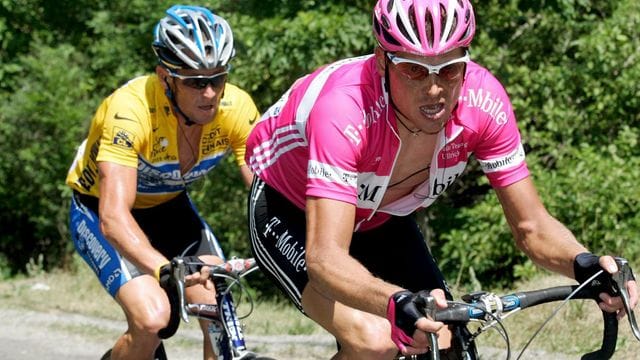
x=382 y=30
x=429 y=28
x=443 y=21
x=402 y=28
x=390 y=6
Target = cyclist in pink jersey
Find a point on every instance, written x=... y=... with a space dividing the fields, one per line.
x=351 y=151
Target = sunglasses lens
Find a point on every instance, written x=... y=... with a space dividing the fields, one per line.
x=452 y=71
x=216 y=82
x=195 y=83
x=413 y=71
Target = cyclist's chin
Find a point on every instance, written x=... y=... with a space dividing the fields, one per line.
x=203 y=116
x=434 y=124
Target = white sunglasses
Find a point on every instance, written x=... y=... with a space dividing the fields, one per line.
x=416 y=70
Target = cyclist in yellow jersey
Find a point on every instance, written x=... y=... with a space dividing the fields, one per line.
x=147 y=142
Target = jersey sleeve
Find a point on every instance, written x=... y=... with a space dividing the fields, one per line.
x=245 y=114
x=499 y=150
x=123 y=119
x=335 y=140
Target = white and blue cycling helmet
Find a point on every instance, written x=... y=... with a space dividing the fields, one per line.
x=192 y=37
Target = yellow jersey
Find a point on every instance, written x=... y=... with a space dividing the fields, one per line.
x=135 y=126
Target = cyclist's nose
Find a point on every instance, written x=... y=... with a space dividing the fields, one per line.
x=432 y=85
x=210 y=91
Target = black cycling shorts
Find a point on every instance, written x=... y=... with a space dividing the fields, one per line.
x=395 y=251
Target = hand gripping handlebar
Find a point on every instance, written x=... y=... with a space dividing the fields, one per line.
x=485 y=306
x=233 y=269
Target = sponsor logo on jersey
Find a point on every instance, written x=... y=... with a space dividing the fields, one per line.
x=89 y=174
x=374 y=112
x=214 y=140
x=117 y=116
x=122 y=138
x=453 y=153
x=514 y=158
x=160 y=145
x=317 y=170
x=489 y=104
x=370 y=189
x=446 y=179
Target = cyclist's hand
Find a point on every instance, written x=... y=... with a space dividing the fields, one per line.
x=614 y=304
x=196 y=272
x=587 y=264
x=409 y=326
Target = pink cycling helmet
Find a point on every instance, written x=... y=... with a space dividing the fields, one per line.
x=423 y=27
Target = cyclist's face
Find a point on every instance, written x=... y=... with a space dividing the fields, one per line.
x=197 y=92
x=425 y=89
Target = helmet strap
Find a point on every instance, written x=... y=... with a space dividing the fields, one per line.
x=174 y=103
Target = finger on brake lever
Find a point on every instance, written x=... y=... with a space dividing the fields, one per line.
x=179 y=269
x=429 y=311
x=620 y=279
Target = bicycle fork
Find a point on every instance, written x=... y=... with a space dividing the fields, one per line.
x=228 y=344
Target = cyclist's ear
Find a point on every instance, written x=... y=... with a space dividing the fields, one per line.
x=380 y=60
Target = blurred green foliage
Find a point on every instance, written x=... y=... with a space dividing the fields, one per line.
x=571 y=68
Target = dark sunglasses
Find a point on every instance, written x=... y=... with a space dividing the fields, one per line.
x=201 y=81
x=415 y=70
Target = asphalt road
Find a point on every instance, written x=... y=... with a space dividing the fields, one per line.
x=26 y=334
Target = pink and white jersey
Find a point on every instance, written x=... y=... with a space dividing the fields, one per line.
x=334 y=135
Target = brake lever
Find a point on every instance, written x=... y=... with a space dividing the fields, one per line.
x=179 y=270
x=620 y=278
x=429 y=311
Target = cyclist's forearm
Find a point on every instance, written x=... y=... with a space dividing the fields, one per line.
x=549 y=244
x=340 y=277
x=117 y=197
x=332 y=271
x=543 y=238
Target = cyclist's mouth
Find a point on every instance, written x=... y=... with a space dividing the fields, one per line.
x=206 y=108
x=433 y=112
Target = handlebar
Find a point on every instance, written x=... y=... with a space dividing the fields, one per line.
x=489 y=307
x=233 y=269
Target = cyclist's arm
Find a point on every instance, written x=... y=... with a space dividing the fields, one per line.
x=332 y=271
x=246 y=174
x=117 y=196
x=547 y=241
x=543 y=238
